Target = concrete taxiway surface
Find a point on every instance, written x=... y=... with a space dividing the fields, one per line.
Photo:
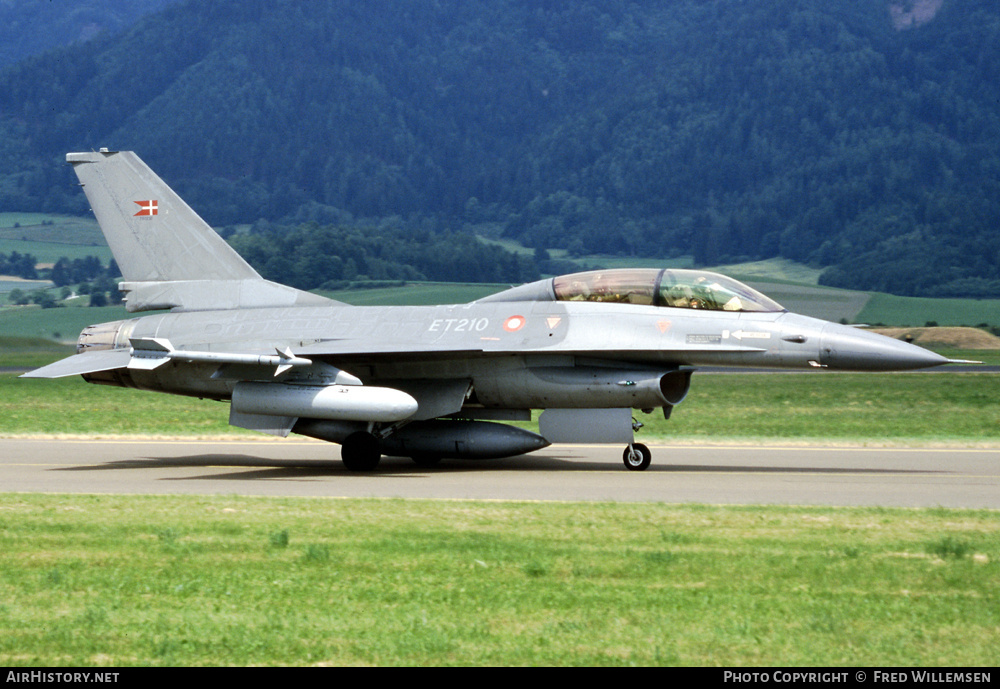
x=748 y=474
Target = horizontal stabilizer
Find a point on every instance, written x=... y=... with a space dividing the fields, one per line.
x=79 y=364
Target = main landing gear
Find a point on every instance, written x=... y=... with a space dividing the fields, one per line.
x=361 y=451
x=637 y=457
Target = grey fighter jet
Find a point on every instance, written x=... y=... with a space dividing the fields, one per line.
x=426 y=382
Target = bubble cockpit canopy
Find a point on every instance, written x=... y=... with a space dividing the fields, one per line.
x=687 y=289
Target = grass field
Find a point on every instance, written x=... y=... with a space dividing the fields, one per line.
x=229 y=580
x=50 y=237
x=60 y=325
x=50 y=252
x=915 y=311
x=44 y=227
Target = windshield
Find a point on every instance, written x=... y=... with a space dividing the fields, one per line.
x=687 y=289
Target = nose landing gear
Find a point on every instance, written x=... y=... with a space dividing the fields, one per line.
x=637 y=457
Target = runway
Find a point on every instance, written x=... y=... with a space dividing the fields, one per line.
x=745 y=474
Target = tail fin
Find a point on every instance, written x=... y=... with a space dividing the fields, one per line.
x=169 y=256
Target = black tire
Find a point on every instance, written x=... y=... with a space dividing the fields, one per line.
x=361 y=451
x=637 y=457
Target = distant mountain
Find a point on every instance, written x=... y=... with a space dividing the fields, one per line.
x=30 y=27
x=864 y=137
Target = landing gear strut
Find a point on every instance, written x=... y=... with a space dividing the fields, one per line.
x=637 y=457
x=360 y=451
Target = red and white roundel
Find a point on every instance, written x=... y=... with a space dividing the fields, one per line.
x=514 y=323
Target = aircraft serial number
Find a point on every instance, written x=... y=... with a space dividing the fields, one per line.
x=459 y=325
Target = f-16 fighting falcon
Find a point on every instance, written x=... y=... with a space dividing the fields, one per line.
x=427 y=382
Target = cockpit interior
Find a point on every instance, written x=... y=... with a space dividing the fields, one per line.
x=686 y=289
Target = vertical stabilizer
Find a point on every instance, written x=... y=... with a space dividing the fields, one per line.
x=152 y=233
x=168 y=255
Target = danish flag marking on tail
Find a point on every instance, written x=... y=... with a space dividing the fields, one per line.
x=147 y=207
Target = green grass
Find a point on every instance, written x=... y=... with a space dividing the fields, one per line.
x=59 y=324
x=49 y=237
x=45 y=227
x=50 y=252
x=69 y=406
x=228 y=580
x=31 y=352
x=10 y=221
x=917 y=311
x=772 y=269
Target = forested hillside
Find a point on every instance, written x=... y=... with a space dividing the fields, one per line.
x=30 y=27
x=844 y=134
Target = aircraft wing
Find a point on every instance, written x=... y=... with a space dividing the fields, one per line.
x=148 y=356
x=353 y=347
x=145 y=357
x=79 y=364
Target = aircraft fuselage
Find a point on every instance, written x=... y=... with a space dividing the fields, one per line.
x=485 y=340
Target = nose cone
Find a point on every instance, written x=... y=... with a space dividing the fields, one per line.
x=851 y=349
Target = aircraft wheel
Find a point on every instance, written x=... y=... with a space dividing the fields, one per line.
x=360 y=451
x=637 y=457
x=426 y=460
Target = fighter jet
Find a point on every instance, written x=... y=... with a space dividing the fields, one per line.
x=426 y=382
